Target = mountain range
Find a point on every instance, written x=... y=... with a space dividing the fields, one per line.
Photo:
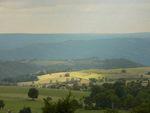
x=131 y=46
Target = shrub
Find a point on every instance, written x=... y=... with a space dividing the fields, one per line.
x=2 y=105
x=64 y=105
x=25 y=110
x=111 y=111
x=143 y=108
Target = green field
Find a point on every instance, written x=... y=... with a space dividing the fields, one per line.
x=16 y=98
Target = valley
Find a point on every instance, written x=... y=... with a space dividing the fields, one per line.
x=105 y=73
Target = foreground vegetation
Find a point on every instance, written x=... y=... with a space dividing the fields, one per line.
x=131 y=96
x=16 y=98
x=107 y=98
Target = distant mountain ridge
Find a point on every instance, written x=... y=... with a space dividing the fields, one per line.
x=88 y=63
x=132 y=46
x=27 y=70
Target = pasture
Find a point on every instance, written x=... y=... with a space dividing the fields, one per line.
x=16 y=98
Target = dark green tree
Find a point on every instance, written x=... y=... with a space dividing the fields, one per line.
x=123 y=71
x=143 y=108
x=2 y=105
x=33 y=93
x=64 y=105
x=129 y=102
x=88 y=103
x=120 y=89
x=134 y=88
x=114 y=100
x=102 y=100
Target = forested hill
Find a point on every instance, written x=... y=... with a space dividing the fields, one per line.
x=27 y=70
x=11 y=71
x=86 y=63
x=133 y=46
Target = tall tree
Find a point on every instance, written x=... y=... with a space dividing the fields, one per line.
x=33 y=93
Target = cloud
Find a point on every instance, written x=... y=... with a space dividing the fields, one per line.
x=91 y=16
x=48 y=3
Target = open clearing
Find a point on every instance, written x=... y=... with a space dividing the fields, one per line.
x=16 y=98
x=60 y=77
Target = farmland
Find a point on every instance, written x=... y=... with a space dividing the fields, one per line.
x=98 y=74
x=112 y=74
x=16 y=98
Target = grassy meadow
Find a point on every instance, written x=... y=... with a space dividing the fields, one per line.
x=16 y=98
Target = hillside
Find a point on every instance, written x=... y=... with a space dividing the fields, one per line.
x=132 y=46
x=85 y=75
x=27 y=70
x=86 y=63
x=13 y=71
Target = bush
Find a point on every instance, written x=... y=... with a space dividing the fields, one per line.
x=111 y=111
x=64 y=105
x=123 y=71
x=25 y=110
x=2 y=105
x=143 y=108
x=88 y=103
x=49 y=98
x=148 y=73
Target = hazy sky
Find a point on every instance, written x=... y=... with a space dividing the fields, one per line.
x=74 y=16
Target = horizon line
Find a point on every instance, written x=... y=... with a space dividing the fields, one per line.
x=68 y=33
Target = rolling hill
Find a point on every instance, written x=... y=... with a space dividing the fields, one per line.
x=85 y=75
x=132 y=46
x=86 y=63
x=27 y=70
x=14 y=71
x=24 y=54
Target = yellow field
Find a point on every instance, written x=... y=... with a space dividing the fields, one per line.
x=92 y=73
x=60 y=77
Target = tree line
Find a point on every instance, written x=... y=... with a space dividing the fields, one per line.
x=110 y=97
x=132 y=97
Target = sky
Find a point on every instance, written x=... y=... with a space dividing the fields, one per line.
x=74 y=16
